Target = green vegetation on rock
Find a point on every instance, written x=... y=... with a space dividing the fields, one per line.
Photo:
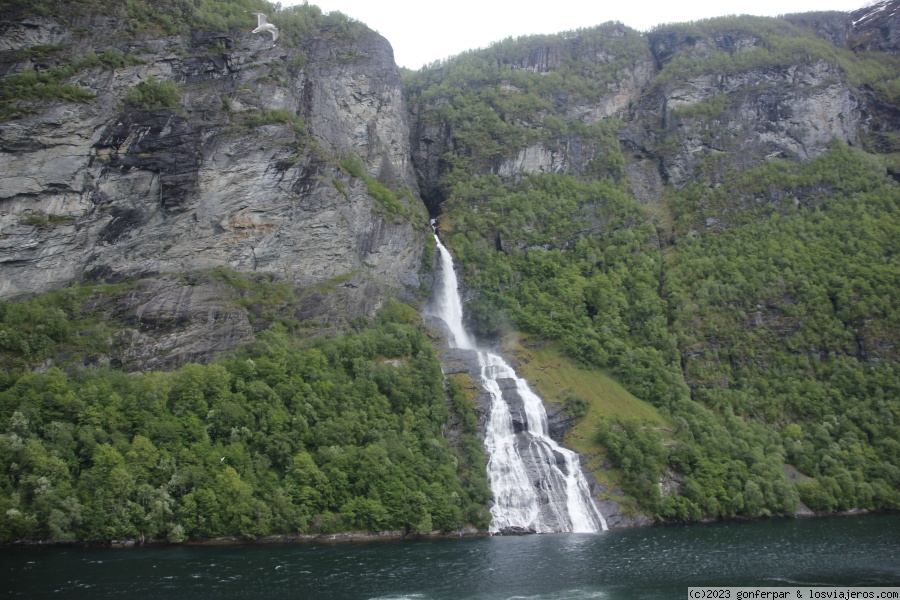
x=179 y=16
x=752 y=307
x=286 y=436
x=409 y=208
x=153 y=95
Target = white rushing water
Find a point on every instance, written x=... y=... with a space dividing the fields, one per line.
x=537 y=484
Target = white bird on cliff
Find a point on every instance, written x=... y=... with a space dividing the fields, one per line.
x=264 y=25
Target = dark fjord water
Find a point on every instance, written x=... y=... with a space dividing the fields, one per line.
x=658 y=562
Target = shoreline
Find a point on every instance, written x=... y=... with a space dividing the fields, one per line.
x=300 y=538
x=365 y=537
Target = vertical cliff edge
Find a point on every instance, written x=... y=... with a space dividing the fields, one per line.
x=161 y=148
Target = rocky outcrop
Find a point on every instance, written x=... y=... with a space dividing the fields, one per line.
x=876 y=27
x=790 y=113
x=33 y=31
x=242 y=173
x=743 y=117
x=611 y=46
x=622 y=93
x=539 y=158
x=170 y=322
x=618 y=518
x=459 y=361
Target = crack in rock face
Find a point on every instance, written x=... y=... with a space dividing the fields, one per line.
x=108 y=190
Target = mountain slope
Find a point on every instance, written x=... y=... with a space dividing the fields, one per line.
x=706 y=212
x=203 y=148
x=176 y=191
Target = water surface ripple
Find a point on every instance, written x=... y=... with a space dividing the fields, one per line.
x=659 y=562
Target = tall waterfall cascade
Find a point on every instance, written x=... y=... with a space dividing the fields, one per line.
x=537 y=484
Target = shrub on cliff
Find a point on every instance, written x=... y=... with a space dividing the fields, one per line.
x=153 y=95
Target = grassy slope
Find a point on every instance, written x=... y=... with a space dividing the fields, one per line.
x=555 y=376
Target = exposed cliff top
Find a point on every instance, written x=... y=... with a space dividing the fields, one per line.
x=877 y=27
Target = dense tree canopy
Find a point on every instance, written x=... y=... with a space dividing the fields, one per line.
x=289 y=435
x=754 y=307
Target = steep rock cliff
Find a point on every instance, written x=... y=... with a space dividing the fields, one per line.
x=242 y=171
x=731 y=93
x=128 y=191
x=747 y=114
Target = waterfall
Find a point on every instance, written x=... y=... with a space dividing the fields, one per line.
x=537 y=484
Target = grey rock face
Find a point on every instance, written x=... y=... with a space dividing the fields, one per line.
x=179 y=323
x=558 y=422
x=616 y=519
x=789 y=112
x=876 y=27
x=540 y=158
x=101 y=190
x=33 y=31
x=358 y=106
x=516 y=406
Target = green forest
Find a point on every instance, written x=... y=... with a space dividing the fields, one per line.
x=290 y=435
x=766 y=340
x=748 y=339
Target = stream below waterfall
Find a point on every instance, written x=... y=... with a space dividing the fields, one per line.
x=538 y=485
